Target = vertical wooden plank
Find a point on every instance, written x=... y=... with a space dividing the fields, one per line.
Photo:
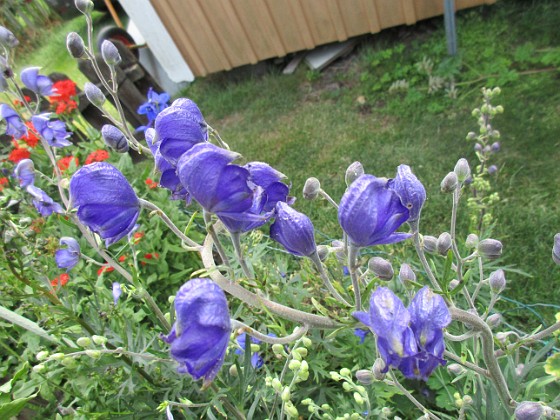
x=428 y=8
x=298 y=15
x=371 y=15
x=356 y=18
x=389 y=12
x=408 y=11
x=337 y=18
x=319 y=21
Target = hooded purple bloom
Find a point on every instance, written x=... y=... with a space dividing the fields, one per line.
x=179 y=128
x=155 y=104
x=408 y=339
x=117 y=292
x=25 y=172
x=429 y=315
x=43 y=203
x=54 y=131
x=410 y=190
x=67 y=257
x=106 y=202
x=15 y=126
x=265 y=176
x=200 y=336
x=38 y=83
x=293 y=230
x=370 y=213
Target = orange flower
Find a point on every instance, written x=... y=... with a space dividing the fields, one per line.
x=60 y=280
x=64 y=163
x=151 y=184
x=19 y=153
x=97 y=156
x=3 y=181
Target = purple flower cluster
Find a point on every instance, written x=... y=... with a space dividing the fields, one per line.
x=410 y=339
x=156 y=103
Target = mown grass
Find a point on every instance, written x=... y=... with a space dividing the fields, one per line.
x=312 y=125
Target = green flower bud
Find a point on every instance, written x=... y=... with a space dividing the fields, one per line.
x=345 y=372
x=453 y=284
x=294 y=364
x=302 y=351
x=276 y=385
x=94 y=354
x=381 y=268
x=255 y=348
x=443 y=243
x=311 y=188
x=347 y=387
x=449 y=183
x=528 y=410
x=365 y=376
x=303 y=375
x=39 y=368
x=326 y=407
x=467 y=399
x=291 y=410
x=307 y=401
x=233 y=371
x=278 y=349
x=490 y=248
x=429 y=243
x=99 y=340
x=335 y=376
x=471 y=241
x=286 y=394
x=83 y=341
x=304 y=366
x=69 y=362
x=306 y=342
x=42 y=355
x=358 y=398
x=462 y=169
x=57 y=356
x=354 y=171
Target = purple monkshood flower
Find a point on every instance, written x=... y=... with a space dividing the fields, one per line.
x=42 y=202
x=265 y=176
x=256 y=359
x=15 y=126
x=179 y=128
x=38 y=83
x=408 y=339
x=156 y=103
x=54 y=131
x=358 y=332
x=106 y=202
x=117 y=292
x=67 y=257
x=410 y=190
x=200 y=336
x=25 y=173
x=293 y=230
x=223 y=188
x=370 y=212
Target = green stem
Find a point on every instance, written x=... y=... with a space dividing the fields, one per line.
x=352 y=262
x=326 y=281
x=236 y=240
x=296 y=335
x=408 y=395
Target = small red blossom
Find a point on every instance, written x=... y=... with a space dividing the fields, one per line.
x=97 y=156
x=3 y=181
x=151 y=183
x=65 y=162
x=19 y=153
x=137 y=237
x=122 y=258
x=149 y=256
x=105 y=269
x=60 y=280
x=61 y=101
x=19 y=103
x=65 y=107
x=30 y=138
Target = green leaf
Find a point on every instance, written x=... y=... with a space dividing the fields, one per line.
x=7 y=387
x=13 y=408
x=25 y=323
x=552 y=365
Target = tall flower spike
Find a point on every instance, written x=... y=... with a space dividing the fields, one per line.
x=293 y=230
x=370 y=213
x=106 y=202
x=54 y=131
x=200 y=336
x=38 y=83
x=15 y=126
x=410 y=190
x=67 y=257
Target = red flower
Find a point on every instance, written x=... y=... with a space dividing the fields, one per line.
x=3 y=181
x=122 y=258
x=17 y=102
x=151 y=184
x=97 y=156
x=65 y=107
x=30 y=138
x=149 y=256
x=60 y=280
x=136 y=237
x=19 y=153
x=64 y=163
x=105 y=269
x=62 y=101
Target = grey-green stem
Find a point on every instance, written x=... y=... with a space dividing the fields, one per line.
x=353 y=251
x=221 y=251
x=408 y=395
x=296 y=335
x=236 y=241
x=326 y=281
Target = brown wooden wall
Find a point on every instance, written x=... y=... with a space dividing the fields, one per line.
x=216 y=35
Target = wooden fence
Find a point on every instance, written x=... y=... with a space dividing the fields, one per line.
x=216 y=35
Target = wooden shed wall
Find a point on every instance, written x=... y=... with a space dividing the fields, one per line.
x=216 y=35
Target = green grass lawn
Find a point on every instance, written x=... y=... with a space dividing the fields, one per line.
x=311 y=124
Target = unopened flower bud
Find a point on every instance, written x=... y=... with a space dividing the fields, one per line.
x=462 y=169
x=467 y=399
x=302 y=352
x=456 y=369
x=291 y=410
x=306 y=341
x=110 y=53
x=39 y=368
x=494 y=320
x=294 y=364
x=406 y=274
x=443 y=243
x=471 y=135
x=345 y=372
x=84 y=6
x=7 y=38
x=378 y=369
x=353 y=172
x=528 y=410
x=278 y=349
x=57 y=356
x=487 y=149
x=519 y=369
x=490 y=248
x=99 y=340
x=449 y=183
x=94 y=354
x=322 y=252
x=556 y=249
x=381 y=268
x=429 y=243
x=83 y=341
x=500 y=109
x=335 y=376
x=311 y=188
x=365 y=376
x=69 y=362
x=495 y=147
x=233 y=371
x=472 y=241
x=94 y=94
x=286 y=394
x=478 y=147
x=453 y=284
x=75 y=45
x=42 y=355
x=358 y=398
x=347 y=387
x=497 y=281
x=276 y=385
